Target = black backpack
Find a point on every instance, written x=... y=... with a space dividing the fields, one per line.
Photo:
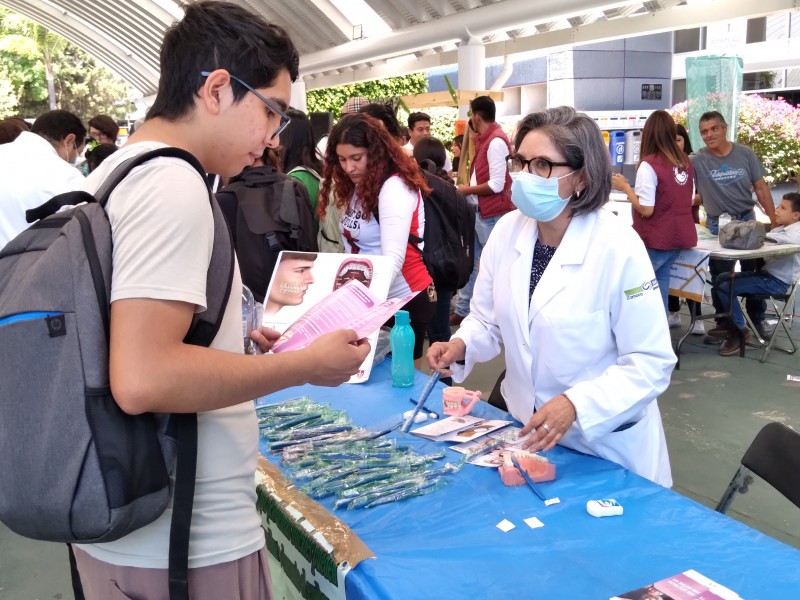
x=267 y=212
x=449 y=235
x=75 y=467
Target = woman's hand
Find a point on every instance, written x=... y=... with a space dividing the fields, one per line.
x=549 y=424
x=620 y=182
x=443 y=354
x=265 y=337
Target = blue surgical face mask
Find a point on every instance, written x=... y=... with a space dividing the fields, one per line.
x=537 y=197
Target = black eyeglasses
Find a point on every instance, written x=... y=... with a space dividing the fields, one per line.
x=541 y=166
x=284 y=118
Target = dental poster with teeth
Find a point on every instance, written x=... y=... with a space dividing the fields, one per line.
x=313 y=293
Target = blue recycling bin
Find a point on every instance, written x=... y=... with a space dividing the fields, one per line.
x=616 y=148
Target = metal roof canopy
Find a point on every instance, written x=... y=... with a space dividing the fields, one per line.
x=125 y=35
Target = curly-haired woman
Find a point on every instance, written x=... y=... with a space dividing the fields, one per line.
x=379 y=190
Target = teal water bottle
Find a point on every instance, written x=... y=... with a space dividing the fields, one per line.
x=401 y=341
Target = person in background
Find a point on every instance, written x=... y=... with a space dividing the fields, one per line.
x=663 y=197
x=674 y=319
x=403 y=135
x=38 y=165
x=300 y=159
x=419 y=128
x=351 y=105
x=378 y=189
x=775 y=277
x=225 y=82
x=429 y=154
x=11 y=128
x=564 y=288
x=387 y=116
x=458 y=141
x=103 y=129
x=262 y=185
x=726 y=175
x=95 y=156
x=489 y=187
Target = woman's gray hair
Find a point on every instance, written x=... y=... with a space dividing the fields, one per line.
x=578 y=138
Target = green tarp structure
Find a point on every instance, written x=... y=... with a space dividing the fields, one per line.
x=713 y=83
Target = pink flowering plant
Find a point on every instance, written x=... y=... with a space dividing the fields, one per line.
x=771 y=128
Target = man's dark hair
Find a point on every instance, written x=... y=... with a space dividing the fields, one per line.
x=105 y=125
x=430 y=154
x=430 y=149
x=385 y=115
x=98 y=154
x=484 y=107
x=55 y=125
x=711 y=115
x=219 y=35
x=415 y=117
x=794 y=198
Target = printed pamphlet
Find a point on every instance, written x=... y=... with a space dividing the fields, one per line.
x=488 y=450
x=311 y=294
x=459 y=429
x=689 y=585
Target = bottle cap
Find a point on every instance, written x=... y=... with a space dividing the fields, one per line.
x=402 y=317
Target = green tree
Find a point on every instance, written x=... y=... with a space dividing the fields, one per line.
x=332 y=99
x=386 y=90
x=42 y=71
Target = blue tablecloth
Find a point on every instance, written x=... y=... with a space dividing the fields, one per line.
x=446 y=544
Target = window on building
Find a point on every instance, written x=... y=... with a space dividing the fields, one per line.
x=761 y=80
x=690 y=40
x=756 y=30
x=678 y=91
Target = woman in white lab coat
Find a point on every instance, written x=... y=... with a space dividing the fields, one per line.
x=569 y=291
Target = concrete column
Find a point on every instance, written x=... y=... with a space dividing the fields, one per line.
x=298 y=97
x=471 y=68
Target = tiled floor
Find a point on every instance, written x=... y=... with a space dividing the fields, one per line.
x=712 y=410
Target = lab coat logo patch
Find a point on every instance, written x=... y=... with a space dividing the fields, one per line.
x=638 y=291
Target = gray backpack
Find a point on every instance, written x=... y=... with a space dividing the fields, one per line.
x=742 y=235
x=75 y=467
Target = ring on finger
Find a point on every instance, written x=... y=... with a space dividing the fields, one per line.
x=546 y=427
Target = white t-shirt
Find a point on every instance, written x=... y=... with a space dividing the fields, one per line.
x=496 y=157
x=401 y=212
x=31 y=172
x=163 y=233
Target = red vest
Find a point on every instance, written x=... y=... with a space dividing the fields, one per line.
x=671 y=225
x=490 y=205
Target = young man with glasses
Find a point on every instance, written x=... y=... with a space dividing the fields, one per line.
x=489 y=187
x=225 y=83
x=726 y=175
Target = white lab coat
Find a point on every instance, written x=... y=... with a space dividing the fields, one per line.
x=596 y=330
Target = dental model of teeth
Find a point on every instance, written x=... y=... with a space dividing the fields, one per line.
x=458 y=402
x=292 y=288
x=536 y=466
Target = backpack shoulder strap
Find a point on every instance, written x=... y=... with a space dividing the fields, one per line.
x=201 y=332
x=288 y=209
